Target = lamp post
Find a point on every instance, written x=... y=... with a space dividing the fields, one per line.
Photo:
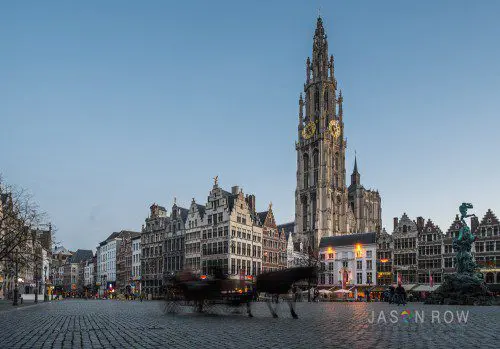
x=52 y=272
x=45 y=296
x=36 y=282
x=16 y=280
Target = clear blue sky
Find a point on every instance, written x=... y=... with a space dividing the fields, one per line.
x=107 y=107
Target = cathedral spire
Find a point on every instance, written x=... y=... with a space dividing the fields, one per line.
x=355 y=162
x=355 y=176
x=320 y=57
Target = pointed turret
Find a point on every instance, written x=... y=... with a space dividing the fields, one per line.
x=341 y=109
x=301 y=115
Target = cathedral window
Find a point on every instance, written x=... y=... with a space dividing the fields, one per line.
x=306 y=170
x=316 y=99
x=313 y=222
x=304 y=215
x=325 y=100
x=315 y=164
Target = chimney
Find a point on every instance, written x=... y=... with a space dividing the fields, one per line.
x=395 y=223
x=235 y=190
x=420 y=223
x=250 y=199
x=474 y=224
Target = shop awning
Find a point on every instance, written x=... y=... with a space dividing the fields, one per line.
x=425 y=288
x=378 y=289
x=409 y=287
x=493 y=287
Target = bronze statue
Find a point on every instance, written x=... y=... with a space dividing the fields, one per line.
x=466 y=286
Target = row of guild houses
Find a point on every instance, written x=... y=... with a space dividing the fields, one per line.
x=417 y=254
x=226 y=232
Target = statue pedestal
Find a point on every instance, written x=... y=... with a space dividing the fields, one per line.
x=461 y=289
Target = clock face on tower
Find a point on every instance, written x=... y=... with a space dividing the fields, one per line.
x=309 y=130
x=334 y=128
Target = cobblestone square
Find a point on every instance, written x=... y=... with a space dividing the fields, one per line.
x=121 y=324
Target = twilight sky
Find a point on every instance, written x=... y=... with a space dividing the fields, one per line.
x=107 y=107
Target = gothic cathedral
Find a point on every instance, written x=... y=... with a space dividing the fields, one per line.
x=324 y=206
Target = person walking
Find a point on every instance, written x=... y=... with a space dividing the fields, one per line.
x=401 y=295
x=392 y=292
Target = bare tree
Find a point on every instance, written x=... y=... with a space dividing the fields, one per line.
x=23 y=232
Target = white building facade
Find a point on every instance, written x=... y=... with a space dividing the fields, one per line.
x=348 y=261
x=88 y=274
x=136 y=264
x=106 y=261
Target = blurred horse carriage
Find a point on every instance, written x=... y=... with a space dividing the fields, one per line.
x=186 y=290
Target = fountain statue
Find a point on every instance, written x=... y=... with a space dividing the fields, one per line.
x=466 y=286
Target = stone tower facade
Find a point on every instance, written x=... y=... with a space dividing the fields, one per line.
x=322 y=205
x=321 y=197
x=365 y=204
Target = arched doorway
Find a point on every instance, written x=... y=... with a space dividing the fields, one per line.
x=490 y=278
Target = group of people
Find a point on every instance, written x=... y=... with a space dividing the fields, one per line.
x=396 y=295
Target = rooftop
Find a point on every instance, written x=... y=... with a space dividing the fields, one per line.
x=348 y=240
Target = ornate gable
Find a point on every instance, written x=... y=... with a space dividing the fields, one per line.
x=454 y=227
x=489 y=219
x=270 y=221
x=431 y=228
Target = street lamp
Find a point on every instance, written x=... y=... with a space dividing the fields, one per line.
x=36 y=281
x=16 y=289
x=45 y=296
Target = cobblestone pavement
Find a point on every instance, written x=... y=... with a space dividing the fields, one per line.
x=121 y=324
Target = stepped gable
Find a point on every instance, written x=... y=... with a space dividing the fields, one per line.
x=489 y=219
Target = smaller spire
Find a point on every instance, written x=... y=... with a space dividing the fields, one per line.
x=355 y=176
x=355 y=162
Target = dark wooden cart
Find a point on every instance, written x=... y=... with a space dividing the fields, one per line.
x=204 y=293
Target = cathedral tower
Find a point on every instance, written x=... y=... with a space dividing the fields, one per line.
x=321 y=195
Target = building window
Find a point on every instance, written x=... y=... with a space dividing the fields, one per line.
x=368 y=254
x=306 y=170
x=316 y=99
x=359 y=278
x=315 y=166
x=369 y=265
x=369 y=278
x=359 y=265
x=304 y=215
x=490 y=246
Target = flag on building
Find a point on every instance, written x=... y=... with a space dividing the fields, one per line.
x=399 y=279
x=431 y=280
